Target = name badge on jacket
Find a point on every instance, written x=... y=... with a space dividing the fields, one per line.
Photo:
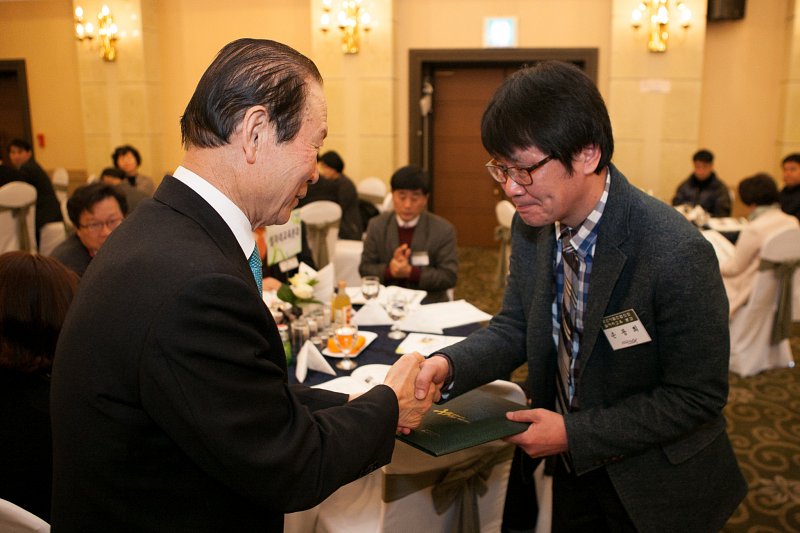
x=420 y=259
x=624 y=330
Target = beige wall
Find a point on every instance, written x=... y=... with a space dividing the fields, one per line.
x=41 y=34
x=458 y=24
x=731 y=83
x=191 y=32
x=741 y=113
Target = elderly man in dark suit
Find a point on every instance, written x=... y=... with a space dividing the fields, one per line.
x=171 y=408
x=617 y=306
x=408 y=246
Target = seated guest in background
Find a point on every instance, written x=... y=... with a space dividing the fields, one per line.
x=790 y=194
x=128 y=159
x=8 y=173
x=760 y=195
x=336 y=187
x=704 y=188
x=116 y=177
x=35 y=292
x=279 y=273
x=48 y=209
x=95 y=209
x=409 y=246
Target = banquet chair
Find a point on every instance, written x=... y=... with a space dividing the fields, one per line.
x=51 y=235
x=346 y=260
x=373 y=190
x=322 y=222
x=61 y=186
x=504 y=211
x=17 y=217
x=388 y=203
x=15 y=519
x=753 y=348
x=372 y=504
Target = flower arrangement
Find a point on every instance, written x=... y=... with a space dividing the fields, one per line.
x=299 y=290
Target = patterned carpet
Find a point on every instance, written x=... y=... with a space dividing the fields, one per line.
x=763 y=415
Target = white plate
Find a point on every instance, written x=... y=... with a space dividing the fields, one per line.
x=369 y=336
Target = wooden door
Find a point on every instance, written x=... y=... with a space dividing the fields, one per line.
x=463 y=192
x=14 y=113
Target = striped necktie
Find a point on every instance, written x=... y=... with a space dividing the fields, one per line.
x=255 y=266
x=568 y=339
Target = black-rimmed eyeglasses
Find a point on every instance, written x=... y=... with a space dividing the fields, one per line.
x=520 y=176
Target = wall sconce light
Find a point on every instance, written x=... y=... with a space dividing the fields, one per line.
x=658 y=14
x=351 y=18
x=107 y=32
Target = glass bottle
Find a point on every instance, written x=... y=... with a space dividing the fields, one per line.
x=341 y=308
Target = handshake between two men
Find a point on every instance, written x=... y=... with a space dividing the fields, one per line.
x=413 y=402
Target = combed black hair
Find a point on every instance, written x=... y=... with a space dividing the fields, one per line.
x=553 y=106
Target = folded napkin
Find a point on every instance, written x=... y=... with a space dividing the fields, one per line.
x=323 y=290
x=309 y=358
x=372 y=314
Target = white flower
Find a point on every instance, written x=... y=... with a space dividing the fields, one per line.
x=304 y=291
x=301 y=278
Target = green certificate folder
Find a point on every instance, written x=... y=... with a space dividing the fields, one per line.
x=473 y=418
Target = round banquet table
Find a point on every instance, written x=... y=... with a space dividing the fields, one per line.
x=379 y=351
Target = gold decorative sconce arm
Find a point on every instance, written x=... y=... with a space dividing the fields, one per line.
x=658 y=14
x=351 y=18
x=107 y=32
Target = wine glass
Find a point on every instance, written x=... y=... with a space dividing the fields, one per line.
x=396 y=309
x=370 y=287
x=345 y=337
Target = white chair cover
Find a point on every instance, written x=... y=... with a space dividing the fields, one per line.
x=61 y=186
x=15 y=519
x=360 y=507
x=322 y=221
x=17 y=217
x=504 y=211
x=373 y=190
x=751 y=326
x=52 y=234
x=388 y=203
x=346 y=260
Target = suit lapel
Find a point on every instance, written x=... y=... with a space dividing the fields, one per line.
x=608 y=261
x=173 y=193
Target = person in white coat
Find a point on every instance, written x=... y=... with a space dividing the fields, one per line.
x=760 y=194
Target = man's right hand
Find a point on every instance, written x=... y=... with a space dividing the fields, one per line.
x=434 y=371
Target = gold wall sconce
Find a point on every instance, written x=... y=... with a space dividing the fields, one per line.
x=657 y=15
x=351 y=18
x=106 y=33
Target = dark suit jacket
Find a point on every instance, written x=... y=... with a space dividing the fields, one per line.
x=433 y=235
x=26 y=456
x=48 y=209
x=651 y=414
x=73 y=254
x=711 y=194
x=170 y=405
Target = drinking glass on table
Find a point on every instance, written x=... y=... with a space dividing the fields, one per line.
x=370 y=287
x=345 y=337
x=396 y=308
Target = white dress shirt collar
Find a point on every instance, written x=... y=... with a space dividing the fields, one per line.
x=230 y=212
x=410 y=224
